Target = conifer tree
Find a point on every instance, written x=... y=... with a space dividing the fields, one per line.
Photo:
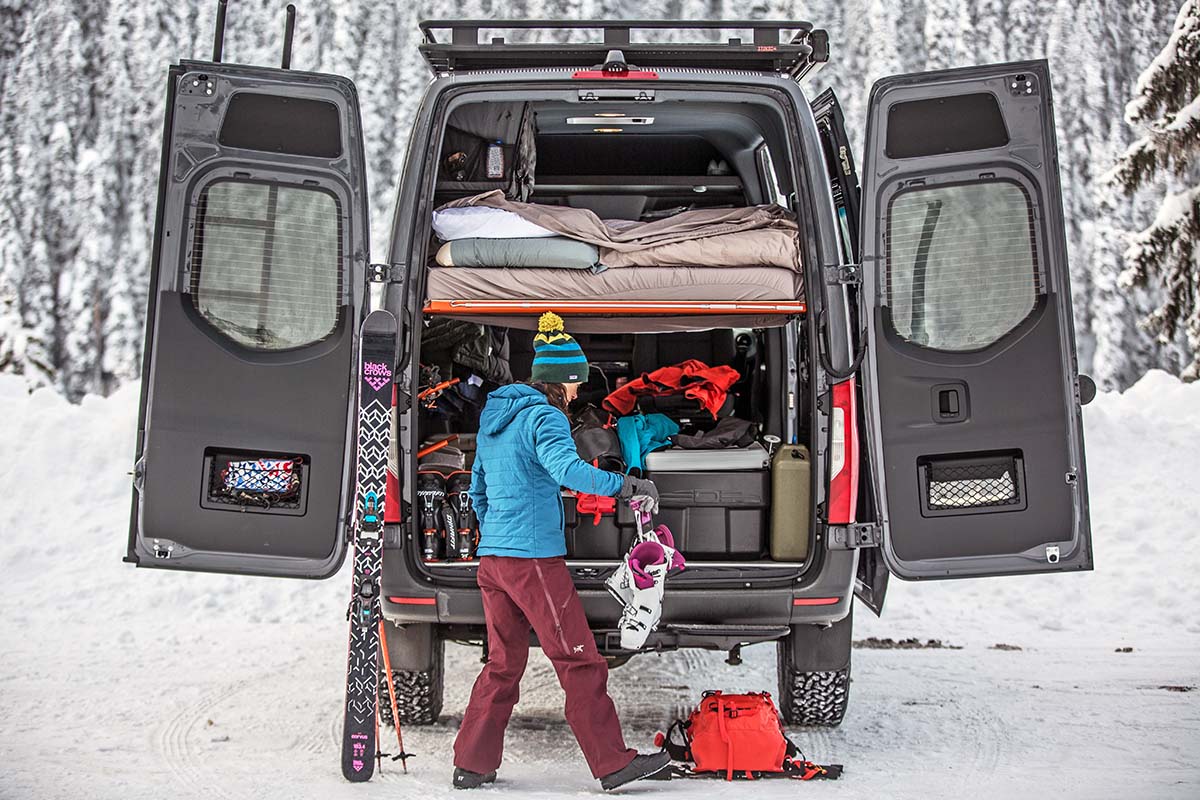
x=1166 y=111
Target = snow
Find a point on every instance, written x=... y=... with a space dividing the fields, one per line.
x=116 y=682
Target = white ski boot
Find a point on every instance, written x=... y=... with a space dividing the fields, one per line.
x=648 y=565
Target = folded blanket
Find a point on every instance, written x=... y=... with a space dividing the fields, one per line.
x=556 y=251
x=766 y=235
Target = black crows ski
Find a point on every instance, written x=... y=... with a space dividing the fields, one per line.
x=376 y=350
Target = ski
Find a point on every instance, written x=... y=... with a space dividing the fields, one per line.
x=377 y=347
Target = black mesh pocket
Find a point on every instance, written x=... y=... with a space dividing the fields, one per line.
x=971 y=484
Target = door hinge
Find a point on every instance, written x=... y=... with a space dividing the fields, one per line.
x=854 y=536
x=844 y=275
x=379 y=273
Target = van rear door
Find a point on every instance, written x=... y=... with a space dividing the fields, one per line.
x=972 y=392
x=260 y=250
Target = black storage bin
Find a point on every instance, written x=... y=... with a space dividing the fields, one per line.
x=587 y=539
x=713 y=515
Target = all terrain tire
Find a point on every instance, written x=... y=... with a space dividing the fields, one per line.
x=418 y=693
x=814 y=674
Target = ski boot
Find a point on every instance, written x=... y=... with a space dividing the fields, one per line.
x=431 y=494
x=461 y=544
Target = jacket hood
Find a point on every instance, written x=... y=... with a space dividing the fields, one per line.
x=506 y=403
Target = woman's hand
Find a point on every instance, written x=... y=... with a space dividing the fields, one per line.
x=642 y=490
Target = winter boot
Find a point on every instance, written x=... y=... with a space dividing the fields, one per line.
x=465 y=779
x=644 y=765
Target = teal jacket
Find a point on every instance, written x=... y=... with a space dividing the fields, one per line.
x=523 y=454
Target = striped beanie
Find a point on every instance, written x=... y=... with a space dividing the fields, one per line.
x=557 y=358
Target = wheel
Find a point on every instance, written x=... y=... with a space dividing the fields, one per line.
x=814 y=674
x=418 y=692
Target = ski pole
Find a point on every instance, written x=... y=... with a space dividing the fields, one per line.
x=387 y=666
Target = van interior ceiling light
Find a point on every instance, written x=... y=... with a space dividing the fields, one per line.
x=601 y=119
x=608 y=130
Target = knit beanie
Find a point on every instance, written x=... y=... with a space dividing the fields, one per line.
x=557 y=358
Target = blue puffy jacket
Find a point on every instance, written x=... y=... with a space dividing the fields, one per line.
x=523 y=454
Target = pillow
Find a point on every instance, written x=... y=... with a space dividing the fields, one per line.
x=484 y=222
x=557 y=252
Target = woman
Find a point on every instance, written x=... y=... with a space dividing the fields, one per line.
x=524 y=454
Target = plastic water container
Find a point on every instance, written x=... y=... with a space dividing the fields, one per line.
x=791 y=503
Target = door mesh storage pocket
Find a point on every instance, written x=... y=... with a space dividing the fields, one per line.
x=972 y=483
x=253 y=481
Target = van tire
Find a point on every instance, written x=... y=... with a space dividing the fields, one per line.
x=817 y=699
x=418 y=692
x=814 y=674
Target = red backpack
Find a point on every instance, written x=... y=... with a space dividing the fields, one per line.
x=740 y=734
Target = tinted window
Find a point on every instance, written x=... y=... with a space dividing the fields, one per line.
x=278 y=124
x=961 y=265
x=266 y=263
x=945 y=125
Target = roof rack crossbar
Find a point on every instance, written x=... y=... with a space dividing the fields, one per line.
x=789 y=47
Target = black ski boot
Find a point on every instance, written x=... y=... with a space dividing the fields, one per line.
x=644 y=765
x=465 y=779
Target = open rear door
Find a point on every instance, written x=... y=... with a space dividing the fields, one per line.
x=259 y=254
x=972 y=386
x=872 y=576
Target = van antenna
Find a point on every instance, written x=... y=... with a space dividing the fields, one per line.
x=289 y=29
x=219 y=34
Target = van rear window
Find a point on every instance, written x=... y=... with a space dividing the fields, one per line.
x=961 y=264
x=266 y=263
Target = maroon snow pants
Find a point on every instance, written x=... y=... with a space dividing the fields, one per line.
x=520 y=593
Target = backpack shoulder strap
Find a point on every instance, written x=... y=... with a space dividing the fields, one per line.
x=679 y=752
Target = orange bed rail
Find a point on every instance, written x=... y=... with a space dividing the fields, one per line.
x=630 y=307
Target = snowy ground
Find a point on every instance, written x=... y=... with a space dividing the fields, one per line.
x=116 y=682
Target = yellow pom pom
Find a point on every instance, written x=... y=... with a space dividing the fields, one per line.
x=550 y=322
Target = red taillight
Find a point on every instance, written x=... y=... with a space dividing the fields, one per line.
x=843 y=455
x=391 y=500
x=414 y=601
x=816 y=601
x=629 y=74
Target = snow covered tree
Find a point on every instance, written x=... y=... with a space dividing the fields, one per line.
x=1166 y=109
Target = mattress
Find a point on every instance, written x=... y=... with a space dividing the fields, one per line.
x=668 y=284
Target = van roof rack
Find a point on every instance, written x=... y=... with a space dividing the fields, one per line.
x=804 y=48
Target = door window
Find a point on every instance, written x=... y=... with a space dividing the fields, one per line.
x=961 y=264
x=266 y=263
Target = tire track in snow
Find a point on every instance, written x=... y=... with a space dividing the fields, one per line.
x=174 y=739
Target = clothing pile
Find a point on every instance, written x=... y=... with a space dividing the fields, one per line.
x=640 y=581
x=645 y=415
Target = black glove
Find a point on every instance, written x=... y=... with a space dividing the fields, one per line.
x=642 y=490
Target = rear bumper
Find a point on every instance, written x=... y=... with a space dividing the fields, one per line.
x=708 y=613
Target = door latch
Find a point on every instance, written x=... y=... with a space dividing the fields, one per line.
x=854 y=536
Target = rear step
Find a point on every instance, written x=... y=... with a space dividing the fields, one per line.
x=791 y=48
x=672 y=636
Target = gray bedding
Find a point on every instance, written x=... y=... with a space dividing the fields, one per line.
x=754 y=236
